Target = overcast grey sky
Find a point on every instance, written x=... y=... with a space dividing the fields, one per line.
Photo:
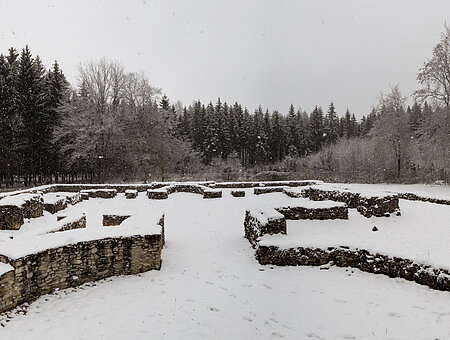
x=255 y=52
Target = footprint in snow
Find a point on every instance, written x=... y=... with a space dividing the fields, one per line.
x=313 y=336
x=279 y=335
x=340 y=300
x=394 y=315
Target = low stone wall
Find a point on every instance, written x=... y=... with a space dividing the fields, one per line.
x=120 y=188
x=57 y=205
x=164 y=192
x=258 y=223
x=414 y=197
x=11 y=217
x=212 y=193
x=69 y=223
x=378 y=206
x=367 y=205
x=244 y=185
x=345 y=196
x=263 y=190
x=100 y=193
x=72 y=265
x=435 y=278
x=13 y=210
x=273 y=220
x=131 y=194
x=238 y=193
x=181 y=187
x=304 y=193
x=157 y=194
x=112 y=220
x=303 y=213
x=73 y=198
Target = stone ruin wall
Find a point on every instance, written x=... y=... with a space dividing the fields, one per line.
x=72 y=265
x=301 y=213
x=394 y=267
x=79 y=223
x=414 y=197
x=366 y=206
x=254 y=229
x=12 y=216
x=165 y=191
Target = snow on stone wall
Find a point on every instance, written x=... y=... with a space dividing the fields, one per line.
x=368 y=204
x=27 y=273
x=13 y=209
x=435 y=278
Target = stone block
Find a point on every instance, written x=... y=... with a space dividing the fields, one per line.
x=131 y=194
x=238 y=193
x=113 y=220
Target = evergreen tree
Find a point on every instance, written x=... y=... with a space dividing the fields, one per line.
x=332 y=125
x=414 y=117
x=292 y=132
x=164 y=104
x=316 y=129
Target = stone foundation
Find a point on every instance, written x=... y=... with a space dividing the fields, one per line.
x=258 y=223
x=273 y=221
x=341 y=195
x=304 y=193
x=164 y=192
x=72 y=265
x=71 y=223
x=238 y=193
x=414 y=197
x=57 y=205
x=367 y=205
x=263 y=190
x=100 y=193
x=11 y=217
x=435 y=278
x=131 y=194
x=13 y=210
x=378 y=206
x=212 y=193
x=157 y=194
x=303 y=213
x=113 y=220
x=243 y=185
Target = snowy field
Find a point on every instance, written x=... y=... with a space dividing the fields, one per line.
x=210 y=285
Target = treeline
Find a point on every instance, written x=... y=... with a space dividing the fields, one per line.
x=114 y=125
x=30 y=98
x=221 y=131
x=409 y=145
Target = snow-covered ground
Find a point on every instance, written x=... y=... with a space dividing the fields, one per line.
x=421 y=233
x=210 y=285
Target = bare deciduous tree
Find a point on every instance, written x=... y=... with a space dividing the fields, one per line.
x=434 y=76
